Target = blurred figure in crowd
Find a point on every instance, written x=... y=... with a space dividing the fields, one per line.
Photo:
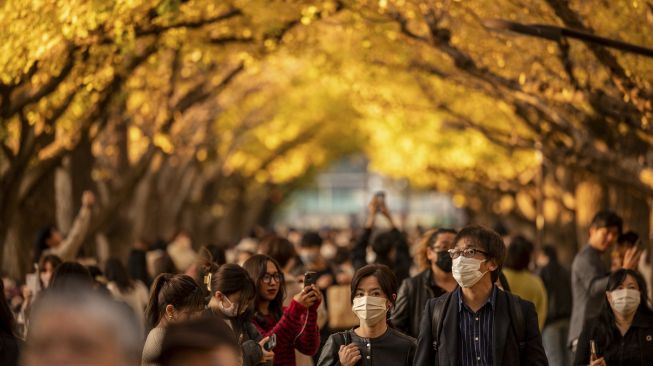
x=123 y=288
x=205 y=341
x=50 y=240
x=373 y=342
x=625 y=242
x=433 y=281
x=9 y=341
x=623 y=330
x=311 y=256
x=557 y=281
x=173 y=298
x=80 y=327
x=522 y=282
x=589 y=274
x=390 y=247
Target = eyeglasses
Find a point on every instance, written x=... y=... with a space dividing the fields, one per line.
x=467 y=253
x=268 y=277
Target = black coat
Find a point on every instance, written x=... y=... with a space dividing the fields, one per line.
x=506 y=347
x=634 y=348
x=411 y=299
x=393 y=348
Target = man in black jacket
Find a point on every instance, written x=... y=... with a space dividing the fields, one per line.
x=479 y=324
x=431 y=283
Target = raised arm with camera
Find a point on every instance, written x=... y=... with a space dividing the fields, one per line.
x=390 y=246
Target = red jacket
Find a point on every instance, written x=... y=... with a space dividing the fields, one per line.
x=288 y=330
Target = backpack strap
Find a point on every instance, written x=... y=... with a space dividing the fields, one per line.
x=437 y=321
x=517 y=321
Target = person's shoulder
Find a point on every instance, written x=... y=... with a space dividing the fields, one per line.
x=433 y=302
x=401 y=337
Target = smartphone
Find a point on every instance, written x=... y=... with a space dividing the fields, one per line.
x=310 y=278
x=271 y=343
x=593 y=350
x=380 y=200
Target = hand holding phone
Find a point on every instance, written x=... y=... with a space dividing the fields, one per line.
x=271 y=343
x=310 y=278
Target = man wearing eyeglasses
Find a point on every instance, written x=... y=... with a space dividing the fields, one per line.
x=478 y=323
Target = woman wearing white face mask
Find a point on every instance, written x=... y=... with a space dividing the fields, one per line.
x=623 y=330
x=373 y=293
x=231 y=293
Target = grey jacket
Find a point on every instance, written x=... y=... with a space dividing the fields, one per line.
x=589 y=279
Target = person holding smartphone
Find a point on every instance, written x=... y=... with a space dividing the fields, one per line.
x=294 y=326
x=622 y=333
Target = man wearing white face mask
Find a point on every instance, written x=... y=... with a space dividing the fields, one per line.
x=478 y=323
x=374 y=290
x=623 y=330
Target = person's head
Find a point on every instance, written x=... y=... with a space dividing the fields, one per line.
x=7 y=320
x=626 y=291
x=280 y=249
x=478 y=254
x=604 y=230
x=71 y=274
x=116 y=272
x=218 y=255
x=205 y=341
x=547 y=254
x=433 y=249
x=47 y=237
x=269 y=281
x=309 y=247
x=519 y=254
x=246 y=248
x=81 y=327
x=384 y=245
x=232 y=290
x=373 y=293
x=173 y=298
x=47 y=266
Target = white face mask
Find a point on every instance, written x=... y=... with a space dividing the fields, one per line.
x=466 y=271
x=370 y=309
x=625 y=301
x=230 y=311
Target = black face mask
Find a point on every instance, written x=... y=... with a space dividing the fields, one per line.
x=444 y=261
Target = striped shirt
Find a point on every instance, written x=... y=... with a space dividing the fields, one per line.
x=475 y=336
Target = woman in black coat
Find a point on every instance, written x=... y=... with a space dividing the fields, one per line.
x=623 y=331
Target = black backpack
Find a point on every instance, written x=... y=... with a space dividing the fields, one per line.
x=517 y=322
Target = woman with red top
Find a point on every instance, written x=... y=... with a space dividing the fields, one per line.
x=295 y=326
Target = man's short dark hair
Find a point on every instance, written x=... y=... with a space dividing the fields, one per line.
x=199 y=335
x=607 y=219
x=486 y=240
x=280 y=249
x=311 y=239
x=434 y=237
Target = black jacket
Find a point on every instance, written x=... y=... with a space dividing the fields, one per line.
x=411 y=299
x=9 y=350
x=634 y=348
x=506 y=347
x=248 y=337
x=557 y=281
x=393 y=348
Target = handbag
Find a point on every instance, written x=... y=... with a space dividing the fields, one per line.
x=339 y=308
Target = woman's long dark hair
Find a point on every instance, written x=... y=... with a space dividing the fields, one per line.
x=180 y=291
x=257 y=267
x=7 y=320
x=387 y=281
x=606 y=324
x=229 y=279
x=116 y=272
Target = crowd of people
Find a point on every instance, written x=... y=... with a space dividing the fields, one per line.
x=468 y=296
